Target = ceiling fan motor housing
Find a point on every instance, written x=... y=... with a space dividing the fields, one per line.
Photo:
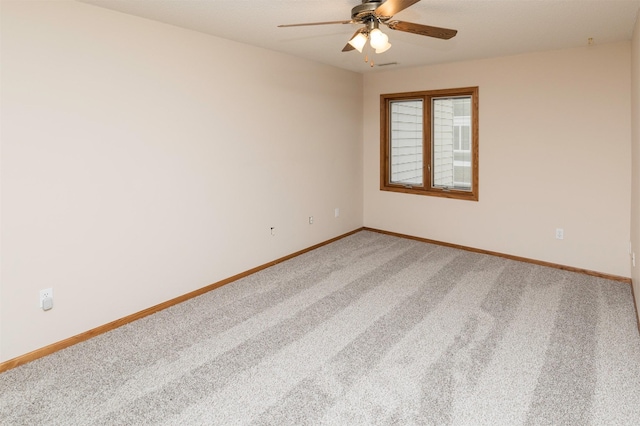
x=365 y=11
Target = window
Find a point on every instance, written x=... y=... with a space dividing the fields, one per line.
x=429 y=143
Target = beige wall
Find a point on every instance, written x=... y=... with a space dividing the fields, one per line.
x=635 y=148
x=554 y=153
x=141 y=161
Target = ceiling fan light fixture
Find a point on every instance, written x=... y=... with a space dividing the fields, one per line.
x=358 y=42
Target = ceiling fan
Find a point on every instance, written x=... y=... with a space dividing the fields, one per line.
x=372 y=13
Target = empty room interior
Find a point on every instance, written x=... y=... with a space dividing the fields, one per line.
x=157 y=152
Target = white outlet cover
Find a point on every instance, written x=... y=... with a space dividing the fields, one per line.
x=44 y=294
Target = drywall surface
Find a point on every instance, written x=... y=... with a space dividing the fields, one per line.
x=554 y=153
x=635 y=157
x=141 y=161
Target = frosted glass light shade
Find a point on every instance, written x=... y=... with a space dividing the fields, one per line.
x=378 y=39
x=358 y=42
x=384 y=48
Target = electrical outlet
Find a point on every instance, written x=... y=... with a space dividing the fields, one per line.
x=336 y=212
x=273 y=230
x=633 y=259
x=559 y=234
x=310 y=220
x=46 y=297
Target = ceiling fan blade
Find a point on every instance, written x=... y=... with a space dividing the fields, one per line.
x=316 y=23
x=347 y=47
x=425 y=30
x=391 y=7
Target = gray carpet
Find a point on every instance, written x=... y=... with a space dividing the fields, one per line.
x=371 y=329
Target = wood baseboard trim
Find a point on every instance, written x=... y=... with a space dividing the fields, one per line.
x=635 y=306
x=54 y=347
x=507 y=256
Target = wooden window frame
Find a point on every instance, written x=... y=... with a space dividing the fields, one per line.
x=426 y=188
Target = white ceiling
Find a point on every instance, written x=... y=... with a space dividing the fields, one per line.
x=486 y=28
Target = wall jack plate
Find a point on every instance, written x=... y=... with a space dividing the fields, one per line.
x=46 y=299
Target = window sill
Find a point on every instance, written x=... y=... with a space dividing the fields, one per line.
x=450 y=193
